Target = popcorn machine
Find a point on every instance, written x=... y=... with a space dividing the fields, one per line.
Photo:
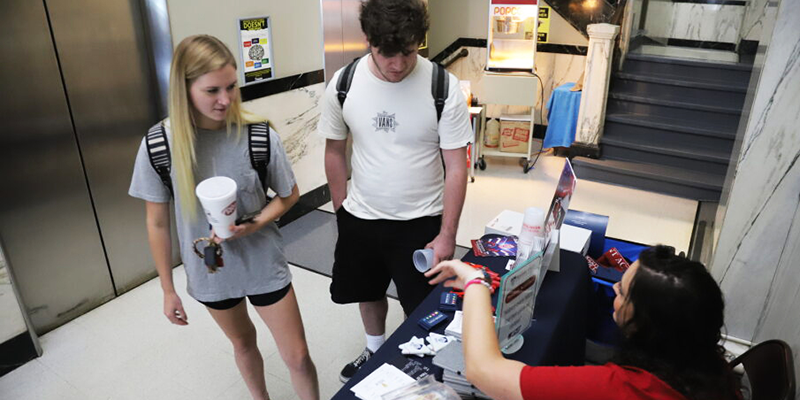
x=512 y=35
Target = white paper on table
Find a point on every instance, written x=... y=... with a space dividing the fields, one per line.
x=381 y=381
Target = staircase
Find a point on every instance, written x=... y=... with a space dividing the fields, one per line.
x=670 y=126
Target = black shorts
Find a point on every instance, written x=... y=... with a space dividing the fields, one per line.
x=371 y=253
x=258 y=300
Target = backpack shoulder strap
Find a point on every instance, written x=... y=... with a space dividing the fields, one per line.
x=258 y=142
x=440 y=88
x=345 y=80
x=158 y=152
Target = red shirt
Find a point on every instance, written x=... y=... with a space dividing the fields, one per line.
x=607 y=382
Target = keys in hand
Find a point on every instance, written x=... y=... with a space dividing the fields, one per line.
x=211 y=255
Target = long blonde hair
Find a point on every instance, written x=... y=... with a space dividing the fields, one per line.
x=194 y=57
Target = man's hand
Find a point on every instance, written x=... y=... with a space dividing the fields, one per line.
x=444 y=246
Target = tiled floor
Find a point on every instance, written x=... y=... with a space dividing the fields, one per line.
x=126 y=349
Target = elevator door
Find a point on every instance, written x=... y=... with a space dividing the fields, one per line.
x=78 y=99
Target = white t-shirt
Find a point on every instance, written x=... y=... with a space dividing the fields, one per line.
x=397 y=171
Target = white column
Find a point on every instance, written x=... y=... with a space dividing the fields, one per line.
x=595 y=85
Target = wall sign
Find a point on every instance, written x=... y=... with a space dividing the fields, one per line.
x=255 y=47
x=543 y=31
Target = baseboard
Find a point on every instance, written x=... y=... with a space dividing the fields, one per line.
x=700 y=44
x=584 y=150
x=307 y=203
x=16 y=351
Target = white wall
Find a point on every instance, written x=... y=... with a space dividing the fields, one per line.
x=296 y=34
x=453 y=19
x=298 y=48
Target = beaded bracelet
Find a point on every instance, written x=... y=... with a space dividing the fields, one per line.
x=481 y=281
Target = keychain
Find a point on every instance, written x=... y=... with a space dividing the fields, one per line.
x=211 y=255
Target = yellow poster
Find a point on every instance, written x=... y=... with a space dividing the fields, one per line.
x=544 y=24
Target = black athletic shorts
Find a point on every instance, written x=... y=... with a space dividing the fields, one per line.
x=258 y=300
x=371 y=253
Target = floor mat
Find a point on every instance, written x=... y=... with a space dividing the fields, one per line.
x=310 y=240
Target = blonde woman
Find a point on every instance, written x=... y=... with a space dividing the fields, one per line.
x=207 y=132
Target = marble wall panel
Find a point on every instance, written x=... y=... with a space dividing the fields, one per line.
x=755 y=14
x=658 y=21
x=706 y=22
x=294 y=115
x=11 y=321
x=756 y=257
x=554 y=69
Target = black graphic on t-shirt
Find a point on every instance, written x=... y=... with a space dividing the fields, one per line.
x=384 y=122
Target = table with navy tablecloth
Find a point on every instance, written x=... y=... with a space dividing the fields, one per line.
x=557 y=336
x=562 y=116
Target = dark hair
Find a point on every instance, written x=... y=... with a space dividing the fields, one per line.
x=675 y=328
x=394 y=25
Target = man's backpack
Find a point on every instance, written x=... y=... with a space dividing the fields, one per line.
x=440 y=83
x=161 y=160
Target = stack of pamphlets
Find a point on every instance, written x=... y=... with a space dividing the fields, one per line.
x=451 y=360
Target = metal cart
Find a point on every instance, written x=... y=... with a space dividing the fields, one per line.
x=507 y=88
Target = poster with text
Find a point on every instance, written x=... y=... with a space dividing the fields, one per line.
x=544 y=25
x=255 y=45
x=517 y=297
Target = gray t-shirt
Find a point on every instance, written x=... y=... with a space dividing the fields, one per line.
x=254 y=264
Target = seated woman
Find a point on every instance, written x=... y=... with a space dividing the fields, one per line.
x=670 y=311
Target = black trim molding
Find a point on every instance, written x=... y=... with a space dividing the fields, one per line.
x=699 y=44
x=748 y=46
x=279 y=85
x=717 y=2
x=16 y=351
x=584 y=150
x=307 y=203
x=562 y=49
x=541 y=47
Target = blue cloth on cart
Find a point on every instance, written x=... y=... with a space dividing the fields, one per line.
x=562 y=116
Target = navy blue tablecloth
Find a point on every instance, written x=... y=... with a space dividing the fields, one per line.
x=557 y=336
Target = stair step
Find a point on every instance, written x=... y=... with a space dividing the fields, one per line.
x=695 y=63
x=703 y=160
x=656 y=178
x=675 y=90
x=658 y=131
x=721 y=118
x=698 y=69
x=685 y=81
x=675 y=125
x=709 y=155
x=676 y=103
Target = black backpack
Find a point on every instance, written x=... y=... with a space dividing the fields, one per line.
x=160 y=159
x=440 y=83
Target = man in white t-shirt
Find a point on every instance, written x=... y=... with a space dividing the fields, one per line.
x=399 y=198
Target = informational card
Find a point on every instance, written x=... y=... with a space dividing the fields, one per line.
x=516 y=300
x=255 y=46
x=381 y=381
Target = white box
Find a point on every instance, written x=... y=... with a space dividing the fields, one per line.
x=507 y=223
x=575 y=239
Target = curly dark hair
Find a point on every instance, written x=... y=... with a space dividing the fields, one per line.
x=676 y=326
x=393 y=26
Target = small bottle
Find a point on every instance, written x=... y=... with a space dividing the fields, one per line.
x=492 y=138
x=531 y=237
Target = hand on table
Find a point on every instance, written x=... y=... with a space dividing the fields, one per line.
x=463 y=273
